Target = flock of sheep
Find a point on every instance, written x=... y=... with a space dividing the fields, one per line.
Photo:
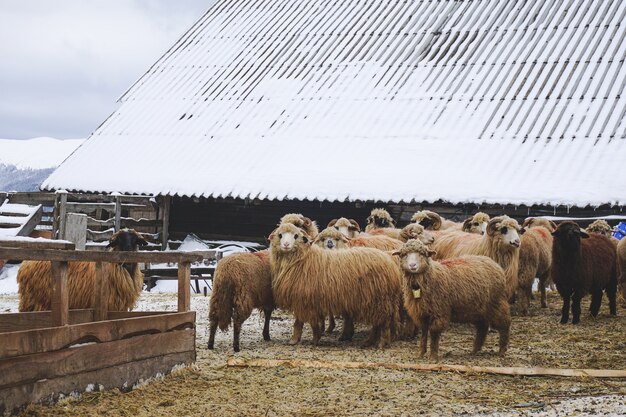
x=422 y=277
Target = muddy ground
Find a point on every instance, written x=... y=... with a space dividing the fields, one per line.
x=210 y=388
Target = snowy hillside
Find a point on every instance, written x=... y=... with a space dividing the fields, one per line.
x=24 y=164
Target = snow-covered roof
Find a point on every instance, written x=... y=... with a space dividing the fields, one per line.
x=464 y=101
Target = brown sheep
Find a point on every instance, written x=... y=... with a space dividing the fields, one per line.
x=125 y=281
x=501 y=243
x=535 y=260
x=581 y=264
x=362 y=283
x=476 y=224
x=349 y=227
x=241 y=283
x=621 y=266
x=433 y=221
x=468 y=289
x=539 y=221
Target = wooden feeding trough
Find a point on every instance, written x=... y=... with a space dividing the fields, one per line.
x=44 y=354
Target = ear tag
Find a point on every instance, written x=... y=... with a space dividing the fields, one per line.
x=417 y=293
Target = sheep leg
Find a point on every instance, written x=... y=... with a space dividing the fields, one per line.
x=523 y=296
x=543 y=281
x=348 y=329
x=373 y=337
x=317 y=329
x=596 y=301
x=565 y=309
x=212 y=330
x=266 y=326
x=236 y=332
x=434 y=345
x=501 y=321
x=385 y=337
x=296 y=336
x=576 y=307
x=322 y=321
x=331 y=324
x=612 y=294
x=482 y=329
x=424 y=338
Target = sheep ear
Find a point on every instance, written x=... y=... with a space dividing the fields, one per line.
x=271 y=236
x=396 y=253
x=553 y=224
x=332 y=222
x=370 y=219
x=522 y=230
x=584 y=234
x=466 y=225
x=527 y=222
x=492 y=226
x=431 y=252
x=355 y=225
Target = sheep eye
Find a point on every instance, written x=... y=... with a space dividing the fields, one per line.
x=295 y=236
x=475 y=224
x=503 y=230
x=280 y=235
x=336 y=228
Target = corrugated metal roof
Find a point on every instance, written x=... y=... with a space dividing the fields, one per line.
x=493 y=101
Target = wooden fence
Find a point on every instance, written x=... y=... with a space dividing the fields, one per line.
x=44 y=354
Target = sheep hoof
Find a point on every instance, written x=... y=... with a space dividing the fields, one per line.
x=236 y=349
x=293 y=342
x=266 y=337
x=210 y=346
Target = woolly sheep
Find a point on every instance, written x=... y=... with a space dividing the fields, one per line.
x=583 y=263
x=535 y=260
x=476 y=224
x=601 y=227
x=125 y=281
x=621 y=266
x=380 y=222
x=467 y=289
x=433 y=221
x=539 y=221
x=501 y=243
x=348 y=227
x=361 y=283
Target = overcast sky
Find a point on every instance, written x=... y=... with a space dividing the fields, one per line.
x=64 y=63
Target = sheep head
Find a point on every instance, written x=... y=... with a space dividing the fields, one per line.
x=289 y=238
x=414 y=256
x=126 y=240
x=429 y=219
x=538 y=221
x=477 y=223
x=600 y=227
x=505 y=230
x=331 y=238
x=303 y=222
x=380 y=218
x=568 y=235
x=417 y=231
x=349 y=227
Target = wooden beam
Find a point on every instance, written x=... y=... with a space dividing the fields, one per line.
x=36 y=244
x=101 y=296
x=115 y=256
x=29 y=342
x=60 y=297
x=14 y=322
x=32 y=222
x=165 y=228
x=62 y=211
x=428 y=367
x=184 y=290
x=118 y=210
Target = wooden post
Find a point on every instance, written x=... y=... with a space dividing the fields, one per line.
x=118 y=211
x=167 y=200
x=60 y=299
x=76 y=229
x=101 y=299
x=62 y=209
x=184 y=290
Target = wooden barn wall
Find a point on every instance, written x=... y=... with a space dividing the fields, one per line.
x=254 y=220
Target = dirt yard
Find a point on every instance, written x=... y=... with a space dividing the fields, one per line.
x=211 y=388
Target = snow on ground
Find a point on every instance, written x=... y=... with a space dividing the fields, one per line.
x=8 y=279
x=37 y=153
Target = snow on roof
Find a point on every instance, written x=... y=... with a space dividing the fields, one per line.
x=463 y=101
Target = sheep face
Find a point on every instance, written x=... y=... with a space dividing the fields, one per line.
x=331 y=238
x=505 y=230
x=288 y=238
x=417 y=231
x=567 y=235
x=380 y=218
x=348 y=227
x=428 y=219
x=414 y=257
x=476 y=224
x=600 y=227
x=126 y=240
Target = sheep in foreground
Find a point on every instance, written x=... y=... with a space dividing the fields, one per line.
x=243 y=282
x=501 y=243
x=125 y=281
x=539 y=221
x=312 y=282
x=535 y=260
x=468 y=289
x=349 y=227
x=583 y=263
x=433 y=221
x=476 y=224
